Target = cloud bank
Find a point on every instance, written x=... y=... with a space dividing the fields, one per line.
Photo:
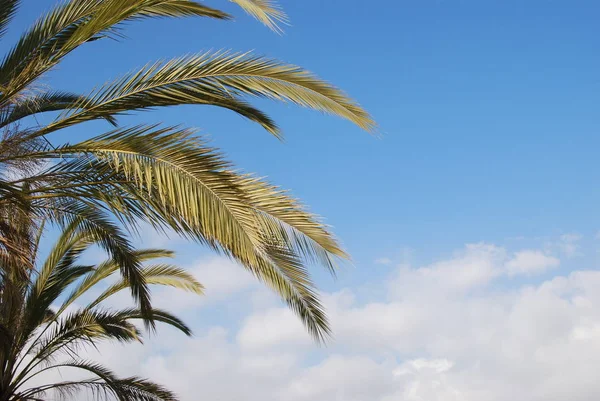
x=463 y=328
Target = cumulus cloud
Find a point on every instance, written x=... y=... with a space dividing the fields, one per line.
x=222 y=279
x=530 y=262
x=443 y=331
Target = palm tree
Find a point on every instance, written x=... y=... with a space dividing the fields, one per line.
x=166 y=176
x=42 y=328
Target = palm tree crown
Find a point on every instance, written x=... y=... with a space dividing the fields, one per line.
x=48 y=316
x=166 y=176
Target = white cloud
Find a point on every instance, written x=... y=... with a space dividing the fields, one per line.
x=569 y=244
x=530 y=262
x=473 y=267
x=443 y=331
x=221 y=278
x=272 y=328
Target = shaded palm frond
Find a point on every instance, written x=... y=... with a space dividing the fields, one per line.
x=105 y=383
x=8 y=8
x=94 y=225
x=88 y=326
x=159 y=315
x=46 y=102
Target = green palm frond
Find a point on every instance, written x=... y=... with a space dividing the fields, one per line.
x=220 y=79
x=131 y=389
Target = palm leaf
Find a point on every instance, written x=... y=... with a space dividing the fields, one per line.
x=161 y=274
x=106 y=269
x=175 y=176
x=8 y=8
x=73 y=23
x=208 y=79
x=266 y=11
x=132 y=388
x=105 y=384
x=46 y=102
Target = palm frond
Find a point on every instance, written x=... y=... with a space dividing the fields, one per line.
x=161 y=274
x=220 y=79
x=172 y=175
x=97 y=226
x=266 y=11
x=42 y=103
x=105 y=384
x=284 y=217
x=8 y=8
x=159 y=315
x=89 y=326
x=74 y=23
x=106 y=269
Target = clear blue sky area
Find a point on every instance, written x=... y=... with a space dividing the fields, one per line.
x=488 y=111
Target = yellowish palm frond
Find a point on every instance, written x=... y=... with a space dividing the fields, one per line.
x=107 y=269
x=220 y=79
x=266 y=11
x=160 y=274
x=73 y=23
x=173 y=175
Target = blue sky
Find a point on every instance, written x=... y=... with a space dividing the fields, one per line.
x=489 y=118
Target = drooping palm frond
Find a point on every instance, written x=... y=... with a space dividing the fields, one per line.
x=173 y=175
x=166 y=177
x=218 y=79
x=97 y=190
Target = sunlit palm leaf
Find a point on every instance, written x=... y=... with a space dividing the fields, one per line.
x=266 y=11
x=106 y=269
x=176 y=176
x=162 y=274
x=73 y=23
x=207 y=79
